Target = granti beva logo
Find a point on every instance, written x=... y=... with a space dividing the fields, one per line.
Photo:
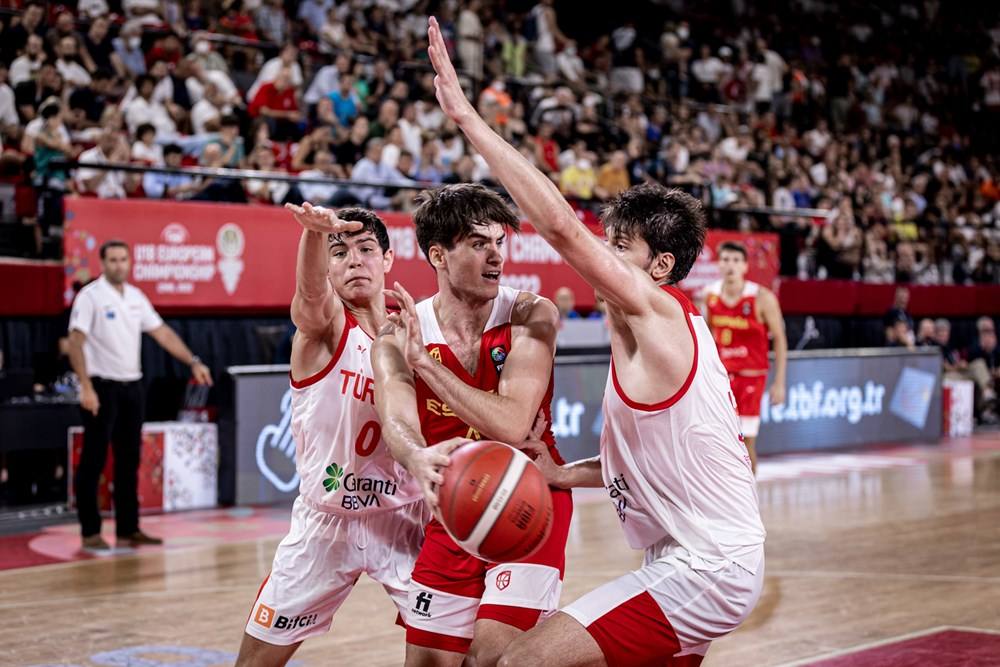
x=332 y=482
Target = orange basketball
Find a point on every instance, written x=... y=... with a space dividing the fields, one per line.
x=495 y=502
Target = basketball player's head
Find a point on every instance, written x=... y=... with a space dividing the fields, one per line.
x=659 y=230
x=733 y=261
x=359 y=260
x=462 y=230
x=116 y=261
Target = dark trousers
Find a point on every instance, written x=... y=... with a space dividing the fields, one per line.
x=118 y=421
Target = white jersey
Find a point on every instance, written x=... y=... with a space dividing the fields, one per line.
x=679 y=469
x=343 y=463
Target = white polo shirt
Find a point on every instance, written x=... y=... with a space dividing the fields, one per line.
x=113 y=323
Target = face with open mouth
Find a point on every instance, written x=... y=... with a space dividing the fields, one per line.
x=358 y=267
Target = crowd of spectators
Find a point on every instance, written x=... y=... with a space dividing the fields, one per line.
x=886 y=118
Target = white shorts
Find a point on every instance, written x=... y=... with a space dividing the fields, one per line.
x=322 y=557
x=666 y=608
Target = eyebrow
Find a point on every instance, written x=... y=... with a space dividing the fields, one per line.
x=484 y=237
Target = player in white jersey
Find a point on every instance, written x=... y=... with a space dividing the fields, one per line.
x=671 y=454
x=358 y=511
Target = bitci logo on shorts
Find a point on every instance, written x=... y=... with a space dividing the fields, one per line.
x=267 y=617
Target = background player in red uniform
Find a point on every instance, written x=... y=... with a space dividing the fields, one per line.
x=741 y=314
x=474 y=361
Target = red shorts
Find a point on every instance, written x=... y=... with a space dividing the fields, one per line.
x=452 y=589
x=749 y=391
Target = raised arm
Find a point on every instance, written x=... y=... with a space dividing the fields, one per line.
x=537 y=196
x=770 y=312
x=396 y=404
x=315 y=306
x=506 y=415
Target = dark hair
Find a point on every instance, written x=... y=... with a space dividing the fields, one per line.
x=170 y=149
x=49 y=110
x=142 y=79
x=113 y=243
x=733 y=246
x=101 y=74
x=371 y=223
x=143 y=129
x=229 y=120
x=667 y=220
x=445 y=216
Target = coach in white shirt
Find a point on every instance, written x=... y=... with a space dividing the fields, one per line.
x=106 y=325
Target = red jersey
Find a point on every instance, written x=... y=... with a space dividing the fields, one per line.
x=739 y=334
x=437 y=421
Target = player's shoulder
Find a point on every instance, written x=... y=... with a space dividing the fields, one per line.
x=531 y=307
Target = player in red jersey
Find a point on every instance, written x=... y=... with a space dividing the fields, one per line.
x=671 y=458
x=741 y=314
x=474 y=361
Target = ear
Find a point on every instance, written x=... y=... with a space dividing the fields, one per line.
x=661 y=266
x=436 y=256
x=388 y=258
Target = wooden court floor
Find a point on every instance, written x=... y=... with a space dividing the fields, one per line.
x=857 y=552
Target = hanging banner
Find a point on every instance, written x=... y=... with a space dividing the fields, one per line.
x=224 y=256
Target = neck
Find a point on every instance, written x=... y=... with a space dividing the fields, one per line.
x=733 y=284
x=461 y=313
x=369 y=314
x=118 y=286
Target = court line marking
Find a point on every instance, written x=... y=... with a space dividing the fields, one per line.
x=118 y=595
x=802 y=662
x=905 y=576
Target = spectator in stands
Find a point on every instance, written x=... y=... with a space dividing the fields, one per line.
x=323 y=168
x=287 y=59
x=99 y=50
x=26 y=66
x=542 y=29
x=951 y=361
x=370 y=169
x=565 y=301
x=578 y=179
x=427 y=168
x=145 y=150
x=105 y=183
x=69 y=63
x=276 y=102
x=128 y=46
x=925 y=333
x=142 y=109
x=346 y=103
x=272 y=22
x=50 y=141
x=9 y=121
x=229 y=142
x=612 y=178
x=269 y=191
x=32 y=23
x=898 y=312
x=984 y=368
x=158 y=185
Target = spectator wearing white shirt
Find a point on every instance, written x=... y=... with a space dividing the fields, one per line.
x=413 y=136
x=707 y=71
x=105 y=183
x=8 y=109
x=145 y=150
x=27 y=64
x=142 y=109
x=68 y=63
x=106 y=325
x=470 y=40
x=269 y=72
x=207 y=113
x=323 y=168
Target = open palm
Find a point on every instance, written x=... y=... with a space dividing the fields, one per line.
x=322 y=219
x=448 y=90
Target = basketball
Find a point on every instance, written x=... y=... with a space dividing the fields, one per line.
x=494 y=502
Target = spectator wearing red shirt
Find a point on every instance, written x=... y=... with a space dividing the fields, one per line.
x=277 y=102
x=546 y=149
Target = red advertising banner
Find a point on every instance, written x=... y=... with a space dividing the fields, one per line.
x=221 y=256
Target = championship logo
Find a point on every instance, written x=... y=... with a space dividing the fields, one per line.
x=498 y=354
x=230 y=243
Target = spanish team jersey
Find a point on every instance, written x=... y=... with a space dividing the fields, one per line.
x=343 y=463
x=740 y=335
x=679 y=469
x=437 y=420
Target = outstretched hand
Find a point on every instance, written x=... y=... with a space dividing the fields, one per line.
x=448 y=90
x=321 y=219
x=413 y=348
